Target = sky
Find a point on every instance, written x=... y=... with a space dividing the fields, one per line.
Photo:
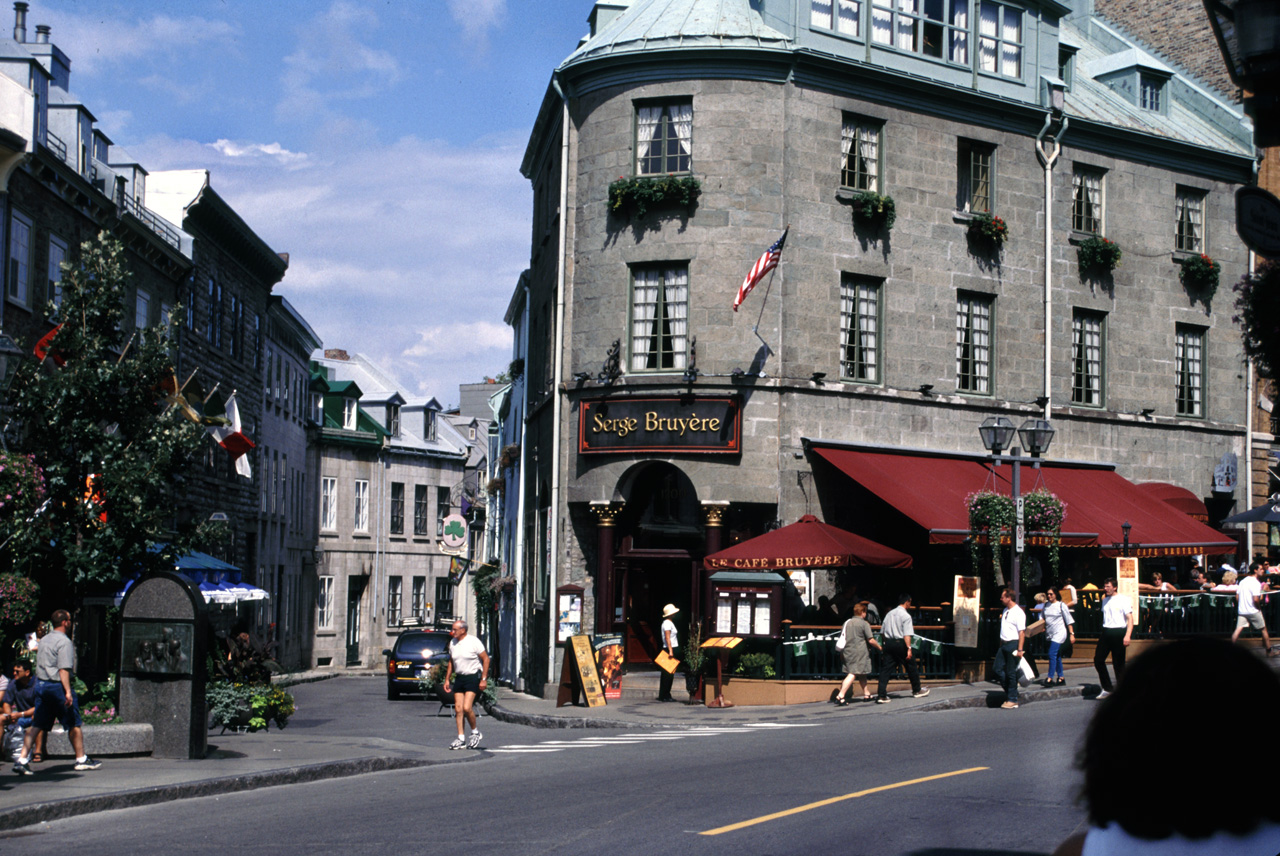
x=377 y=143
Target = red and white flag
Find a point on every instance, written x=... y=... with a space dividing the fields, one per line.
x=763 y=265
x=232 y=439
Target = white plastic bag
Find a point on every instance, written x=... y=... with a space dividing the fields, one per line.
x=1024 y=672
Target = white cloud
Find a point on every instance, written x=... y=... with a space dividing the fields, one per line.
x=461 y=339
x=95 y=43
x=477 y=18
x=273 y=151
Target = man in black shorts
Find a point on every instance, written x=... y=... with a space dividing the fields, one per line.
x=466 y=677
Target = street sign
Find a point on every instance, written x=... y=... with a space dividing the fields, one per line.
x=1020 y=531
x=1258 y=221
x=453 y=538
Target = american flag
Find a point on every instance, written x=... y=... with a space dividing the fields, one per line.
x=763 y=265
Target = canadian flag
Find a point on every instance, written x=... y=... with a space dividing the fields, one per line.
x=232 y=439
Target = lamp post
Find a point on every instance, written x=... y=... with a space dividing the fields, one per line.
x=997 y=432
x=1248 y=35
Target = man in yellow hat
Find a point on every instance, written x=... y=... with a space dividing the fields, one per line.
x=670 y=642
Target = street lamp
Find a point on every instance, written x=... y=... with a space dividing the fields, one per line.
x=997 y=433
x=1248 y=34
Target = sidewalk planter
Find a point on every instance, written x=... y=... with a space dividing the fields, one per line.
x=1097 y=255
x=633 y=197
x=248 y=707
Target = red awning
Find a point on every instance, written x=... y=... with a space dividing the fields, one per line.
x=807 y=543
x=932 y=491
x=1179 y=497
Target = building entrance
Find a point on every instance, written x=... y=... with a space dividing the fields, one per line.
x=648 y=585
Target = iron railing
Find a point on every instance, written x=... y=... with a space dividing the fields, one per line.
x=166 y=232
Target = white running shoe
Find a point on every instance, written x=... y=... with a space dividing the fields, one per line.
x=474 y=741
x=458 y=743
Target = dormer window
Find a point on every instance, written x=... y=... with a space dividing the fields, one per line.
x=429 y=424
x=1066 y=64
x=393 y=420
x=349 y=409
x=317 y=408
x=1150 y=92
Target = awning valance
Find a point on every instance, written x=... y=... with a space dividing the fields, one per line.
x=807 y=543
x=932 y=490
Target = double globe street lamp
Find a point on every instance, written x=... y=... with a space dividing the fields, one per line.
x=997 y=433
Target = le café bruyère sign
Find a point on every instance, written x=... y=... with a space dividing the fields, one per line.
x=670 y=424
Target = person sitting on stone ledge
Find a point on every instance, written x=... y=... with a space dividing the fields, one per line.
x=18 y=705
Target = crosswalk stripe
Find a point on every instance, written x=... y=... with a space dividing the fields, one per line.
x=626 y=739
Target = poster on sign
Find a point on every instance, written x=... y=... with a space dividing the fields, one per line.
x=609 y=659
x=967 y=600
x=1127 y=581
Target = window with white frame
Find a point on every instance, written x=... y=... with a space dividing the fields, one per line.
x=1189 y=358
x=328 y=503
x=57 y=255
x=860 y=329
x=393 y=420
x=429 y=420
x=664 y=138
x=843 y=16
x=1000 y=39
x=659 y=317
x=1189 y=217
x=394 y=594
x=421 y=510
x=935 y=28
x=1087 y=331
x=324 y=604
x=141 y=310
x=19 y=286
x=860 y=153
x=360 y=519
x=418 y=604
x=975 y=177
x=1087 y=200
x=1150 y=92
x=973 y=343
x=349 y=409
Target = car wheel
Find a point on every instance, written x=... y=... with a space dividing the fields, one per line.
x=393 y=692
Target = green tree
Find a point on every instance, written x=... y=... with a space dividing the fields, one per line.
x=112 y=449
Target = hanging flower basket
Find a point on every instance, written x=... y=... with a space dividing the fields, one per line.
x=990 y=514
x=1258 y=308
x=1200 y=273
x=988 y=230
x=635 y=196
x=1042 y=511
x=1098 y=255
x=873 y=209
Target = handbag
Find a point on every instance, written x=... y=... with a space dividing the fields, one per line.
x=840 y=640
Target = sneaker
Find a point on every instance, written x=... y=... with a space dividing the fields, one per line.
x=22 y=769
x=88 y=764
x=458 y=743
x=1010 y=705
x=924 y=692
x=882 y=700
x=474 y=741
x=1103 y=694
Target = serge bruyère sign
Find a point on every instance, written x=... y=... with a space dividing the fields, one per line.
x=671 y=424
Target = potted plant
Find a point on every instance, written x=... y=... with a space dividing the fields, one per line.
x=695 y=659
x=873 y=209
x=758 y=665
x=988 y=230
x=1097 y=255
x=635 y=196
x=991 y=513
x=1200 y=273
x=1044 y=512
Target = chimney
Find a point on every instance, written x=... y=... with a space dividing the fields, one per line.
x=20 y=22
x=42 y=34
x=336 y=354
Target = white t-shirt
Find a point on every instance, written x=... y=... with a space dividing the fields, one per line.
x=1012 y=621
x=1114 y=610
x=1248 y=589
x=1056 y=619
x=466 y=655
x=669 y=626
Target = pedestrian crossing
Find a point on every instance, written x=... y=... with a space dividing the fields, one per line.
x=666 y=735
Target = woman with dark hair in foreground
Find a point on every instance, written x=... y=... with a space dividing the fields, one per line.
x=1140 y=770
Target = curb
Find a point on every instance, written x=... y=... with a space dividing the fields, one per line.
x=542 y=720
x=993 y=699
x=27 y=815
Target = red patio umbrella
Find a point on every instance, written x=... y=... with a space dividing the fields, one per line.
x=807 y=543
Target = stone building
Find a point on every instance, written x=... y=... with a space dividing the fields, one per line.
x=385 y=471
x=876 y=335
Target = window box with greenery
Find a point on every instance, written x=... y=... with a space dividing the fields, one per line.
x=871 y=209
x=988 y=230
x=1098 y=255
x=630 y=197
x=1200 y=273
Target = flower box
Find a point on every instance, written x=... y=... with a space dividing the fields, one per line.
x=1098 y=255
x=635 y=196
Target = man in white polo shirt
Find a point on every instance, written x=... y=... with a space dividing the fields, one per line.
x=1248 y=596
x=1013 y=633
x=1117 y=630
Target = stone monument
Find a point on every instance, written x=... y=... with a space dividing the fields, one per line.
x=163 y=632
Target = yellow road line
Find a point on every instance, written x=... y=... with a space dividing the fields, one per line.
x=820 y=803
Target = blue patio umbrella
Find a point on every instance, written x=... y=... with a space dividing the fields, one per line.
x=1268 y=512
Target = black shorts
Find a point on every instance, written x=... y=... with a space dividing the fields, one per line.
x=467 y=683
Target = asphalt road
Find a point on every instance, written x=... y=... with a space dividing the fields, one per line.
x=575 y=791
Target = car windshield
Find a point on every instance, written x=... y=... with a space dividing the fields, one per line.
x=422 y=644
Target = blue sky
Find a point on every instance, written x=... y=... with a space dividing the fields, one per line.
x=377 y=143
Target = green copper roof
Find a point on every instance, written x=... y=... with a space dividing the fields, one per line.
x=659 y=24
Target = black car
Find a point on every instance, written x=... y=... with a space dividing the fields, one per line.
x=414 y=653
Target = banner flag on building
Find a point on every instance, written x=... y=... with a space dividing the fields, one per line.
x=233 y=439
x=44 y=348
x=763 y=265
